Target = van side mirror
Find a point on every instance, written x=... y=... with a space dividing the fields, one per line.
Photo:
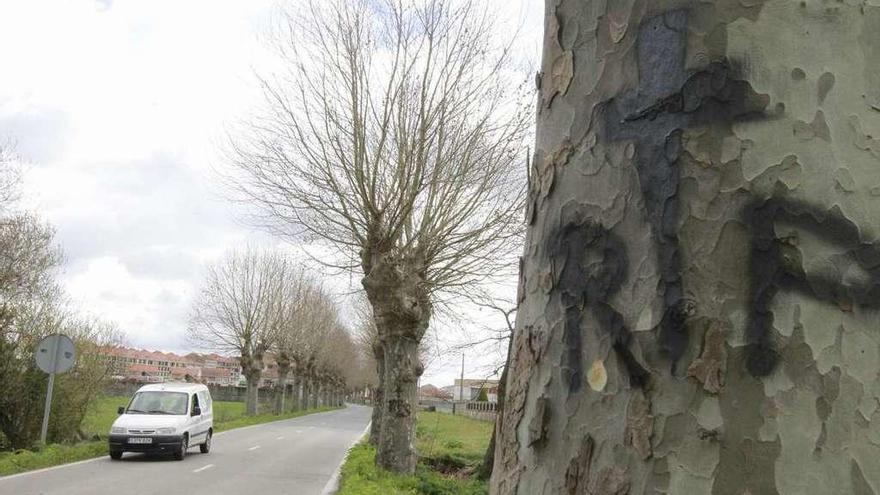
x=121 y=410
x=197 y=411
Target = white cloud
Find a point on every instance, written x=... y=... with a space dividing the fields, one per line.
x=119 y=106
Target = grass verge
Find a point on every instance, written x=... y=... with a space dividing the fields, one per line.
x=450 y=448
x=228 y=416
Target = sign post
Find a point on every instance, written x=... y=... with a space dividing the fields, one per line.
x=55 y=354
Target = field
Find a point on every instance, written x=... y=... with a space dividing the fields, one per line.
x=96 y=425
x=450 y=448
x=103 y=413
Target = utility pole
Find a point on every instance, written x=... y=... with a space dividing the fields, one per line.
x=461 y=383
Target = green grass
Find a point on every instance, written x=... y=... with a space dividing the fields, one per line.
x=454 y=442
x=50 y=455
x=96 y=424
x=103 y=414
x=240 y=421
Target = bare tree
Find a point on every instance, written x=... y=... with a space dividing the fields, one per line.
x=310 y=315
x=392 y=134
x=239 y=309
x=293 y=327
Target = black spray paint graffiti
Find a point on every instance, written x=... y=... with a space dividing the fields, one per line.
x=667 y=100
x=592 y=266
x=776 y=263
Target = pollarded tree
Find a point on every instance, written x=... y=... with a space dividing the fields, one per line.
x=338 y=357
x=294 y=323
x=700 y=276
x=239 y=308
x=393 y=134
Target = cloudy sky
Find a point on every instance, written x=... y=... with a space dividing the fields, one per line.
x=118 y=108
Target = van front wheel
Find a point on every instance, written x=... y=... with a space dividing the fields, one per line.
x=116 y=455
x=181 y=451
x=206 y=446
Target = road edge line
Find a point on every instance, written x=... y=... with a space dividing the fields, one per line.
x=332 y=485
x=50 y=468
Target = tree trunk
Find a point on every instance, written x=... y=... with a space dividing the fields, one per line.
x=485 y=469
x=253 y=388
x=281 y=388
x=295 y=381
x=378 y=396
x=702 y=196
x=398 y=294
x=396 y=451
x=314 y=390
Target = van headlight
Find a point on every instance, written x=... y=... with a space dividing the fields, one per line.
x=165 y=431
x=117 y=429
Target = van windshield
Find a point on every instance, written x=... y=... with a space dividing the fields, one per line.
x=158 y=403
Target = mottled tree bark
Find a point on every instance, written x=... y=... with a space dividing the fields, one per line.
x=698 y=294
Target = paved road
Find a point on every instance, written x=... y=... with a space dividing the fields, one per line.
x=295 y=456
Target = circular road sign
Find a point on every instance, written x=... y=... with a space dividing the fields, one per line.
x=55 y=353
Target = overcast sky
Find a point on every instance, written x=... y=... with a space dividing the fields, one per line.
x=118 y=108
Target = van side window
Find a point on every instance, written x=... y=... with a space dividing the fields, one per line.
x=195 y=403
x=205 y=400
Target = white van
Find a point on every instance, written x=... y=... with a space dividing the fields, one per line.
x=165 y=417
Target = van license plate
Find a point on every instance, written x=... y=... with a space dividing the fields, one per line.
x=140 y=440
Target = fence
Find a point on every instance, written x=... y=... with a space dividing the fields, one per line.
x=221 y=393
x=485 y=411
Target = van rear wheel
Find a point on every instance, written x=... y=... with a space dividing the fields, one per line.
x=206 y=446
x=181 y=450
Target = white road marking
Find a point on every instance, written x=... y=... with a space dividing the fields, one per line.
x=106 y=459
x=209 y=466
x=255 y=447
x=280 y=438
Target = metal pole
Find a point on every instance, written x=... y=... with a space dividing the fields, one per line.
x=47 y=408
x=49 y=388
x=461 y=385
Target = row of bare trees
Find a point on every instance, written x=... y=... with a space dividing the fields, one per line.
x=263 y=307
x=391 y=133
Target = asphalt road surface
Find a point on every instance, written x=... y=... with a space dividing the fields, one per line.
x=295 y=456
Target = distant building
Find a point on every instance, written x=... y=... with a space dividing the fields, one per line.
x=430 y=392
x=155 y=366
x=471 y=389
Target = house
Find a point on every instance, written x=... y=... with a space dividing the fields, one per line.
x=156 y=366
x=430 y=392
x=470 y=389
